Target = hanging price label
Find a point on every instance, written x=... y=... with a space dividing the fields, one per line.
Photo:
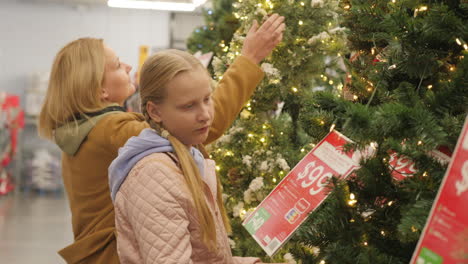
x=402 y=166
x=300 y=192
x=445 y=236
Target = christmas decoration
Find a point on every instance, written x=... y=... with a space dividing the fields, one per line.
x=409 y=95
x=445 y=236
x=267 y=139
x=215 y=35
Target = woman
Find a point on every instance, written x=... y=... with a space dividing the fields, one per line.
x=83 y=115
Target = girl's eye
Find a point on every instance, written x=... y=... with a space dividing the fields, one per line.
x=189 y=106
x=207 y=99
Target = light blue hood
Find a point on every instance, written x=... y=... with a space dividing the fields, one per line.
x=137 y=148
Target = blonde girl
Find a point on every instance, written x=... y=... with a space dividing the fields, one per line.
x=83 y=115
x=167 y=196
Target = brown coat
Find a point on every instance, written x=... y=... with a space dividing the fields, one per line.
x=89 y=150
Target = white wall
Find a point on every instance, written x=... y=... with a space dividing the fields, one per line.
x=182 y=25
x=31 y=35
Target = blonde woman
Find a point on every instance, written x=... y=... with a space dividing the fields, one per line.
x=167 y=197
x=83 y=115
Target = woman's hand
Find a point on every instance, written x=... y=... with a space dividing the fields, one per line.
x=259 y=42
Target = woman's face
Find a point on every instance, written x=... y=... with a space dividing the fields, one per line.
x=117 y=85
x=187 y=111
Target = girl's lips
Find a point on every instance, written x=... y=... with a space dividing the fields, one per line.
x=203 y=129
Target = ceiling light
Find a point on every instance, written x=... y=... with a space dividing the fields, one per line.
x=169 y=6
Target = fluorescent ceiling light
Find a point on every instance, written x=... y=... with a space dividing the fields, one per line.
x=169 y=6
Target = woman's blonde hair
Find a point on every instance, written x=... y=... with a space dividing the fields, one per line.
x=75 y=84
x=157 y=71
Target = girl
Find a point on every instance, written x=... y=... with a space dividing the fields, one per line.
x=82 y=114
x=166 y=194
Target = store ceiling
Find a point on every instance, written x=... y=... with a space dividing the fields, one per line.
x=69 y=2
x=90 y=2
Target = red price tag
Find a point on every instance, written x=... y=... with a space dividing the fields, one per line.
x=300 y=192
x=401 y=166
x=445 y=236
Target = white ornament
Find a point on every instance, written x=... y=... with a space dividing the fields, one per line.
x=270 y=70
x=256 y=184
x=232 y=243
x=317 y=3
x=248 y=196
x=315 y=251
x=247 y=160
x=224 y=139
x=322 y=36
x=217 y=63
x=237 y=209
x=283 y=164
x=288 y=257
x=261 y=11
x=337 y=30
x=264 y=166
x=225 y=197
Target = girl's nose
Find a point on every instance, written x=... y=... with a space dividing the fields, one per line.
x=204 y=113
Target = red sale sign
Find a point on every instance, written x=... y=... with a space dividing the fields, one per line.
x=445 y=236
x=402 y=166
x=300 y=192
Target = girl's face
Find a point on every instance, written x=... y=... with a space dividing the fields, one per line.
x=117 y=86
x=187 y=111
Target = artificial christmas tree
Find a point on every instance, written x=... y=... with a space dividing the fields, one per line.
x=257 y=151
x=408 y=81
x=215 y=35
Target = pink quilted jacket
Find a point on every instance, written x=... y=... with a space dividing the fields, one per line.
x=156 y=221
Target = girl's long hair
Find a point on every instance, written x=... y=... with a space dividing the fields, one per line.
x=75 y=84
x=157 y=71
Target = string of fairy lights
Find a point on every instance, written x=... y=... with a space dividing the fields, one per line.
x=232 y=50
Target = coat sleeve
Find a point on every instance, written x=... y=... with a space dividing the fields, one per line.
x=157 y=212
x=118 y=128
x=231 y=94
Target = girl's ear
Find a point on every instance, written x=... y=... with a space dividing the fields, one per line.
x=104 y=94
x=153 y=111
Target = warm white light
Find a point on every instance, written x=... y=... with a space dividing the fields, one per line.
x=458 y=41
x=169 y=6
x=300 y=22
